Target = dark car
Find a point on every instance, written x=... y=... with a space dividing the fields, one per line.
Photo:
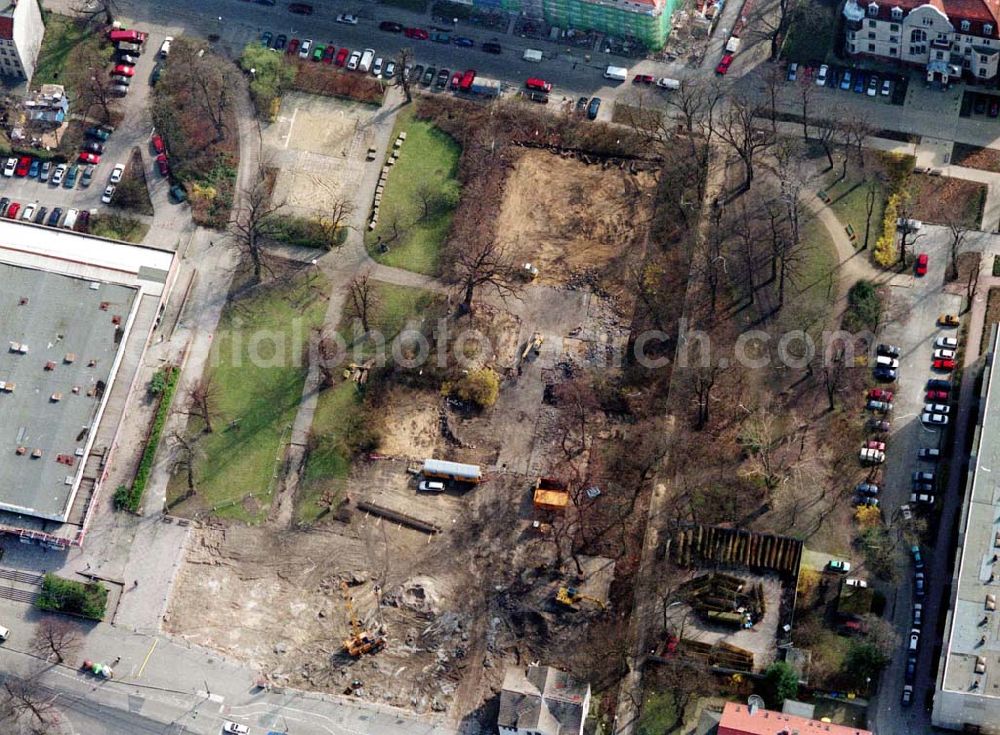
x=540 y=97
x=83 y=221
x=329 y=53
x=4 y=203
x=938 y=384
x=859 y=83
x=418 y=72
x=55 y=217
x=442 y=78
x=910 y=673
x=98 y=132
x=907 y=699
x=492 y=47
x=300 y=8
x=23 y=166
x=918 y=584
x=35 y=166
x=157 y=73
x=980 y=105
x=177 y=194
x=266 y=37
x=885 y=374
x=390 y=26
x=888 y=351
x=429 y=75
x=40 y=215
x=280 y=42
x=463 y=42
x=93 y=147
x=293 y=46
x=161 y=163
x=581 y=105
x=593 y=108
x=127 y=59
x=418 y=34
x=994 y=108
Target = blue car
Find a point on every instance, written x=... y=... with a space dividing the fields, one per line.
x=859 y=83
x=463 y=42
x=265 y=38
x=35 y=165
x=918 y=559
x=845 y=81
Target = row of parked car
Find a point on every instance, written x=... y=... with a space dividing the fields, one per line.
x=833 y=77
x=74 y=219
x=64 y=174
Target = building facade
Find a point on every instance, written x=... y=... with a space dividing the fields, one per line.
x=21 y=32
x=646 y=20
x=947 y=39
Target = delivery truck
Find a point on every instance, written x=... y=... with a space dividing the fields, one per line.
x=616 y=73
x=531 y=54
x=366 y=60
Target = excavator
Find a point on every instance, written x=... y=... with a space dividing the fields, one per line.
x=569 y=596
x=360 y=641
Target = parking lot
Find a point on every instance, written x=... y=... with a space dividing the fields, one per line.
x=884 y=88
x=26 y=191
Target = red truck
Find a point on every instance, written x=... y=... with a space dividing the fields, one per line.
x=119 y=35
x=467 y=79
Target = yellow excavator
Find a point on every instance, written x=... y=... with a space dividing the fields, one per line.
x=569 y=596
x=360 y=641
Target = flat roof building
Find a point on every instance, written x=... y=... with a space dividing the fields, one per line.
x=75 y=316
x=967 y=693
x=745 y=719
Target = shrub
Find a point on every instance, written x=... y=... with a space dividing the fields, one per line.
x=885 y=247
x=272 y=75
x=131 y=498
x=780 y=683
x=659 y=714
x=158 y=383
x=864 y=307
x=863 y=662
x=88 y=600
x=305 y=232
x=867 y=516
x=482 y=387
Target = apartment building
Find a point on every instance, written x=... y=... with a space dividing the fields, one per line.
x=21 y=31
x=646 y=20
x=947 y=39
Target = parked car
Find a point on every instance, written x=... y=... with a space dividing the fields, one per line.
x=59 y=174
x=910 y=672
x=822 y=75
x=377 y=66
x=13 y=209
x=127 y=59
x=162 y=165
x=43 y=174
x=913 y=642
x=859 y=83
x=300 y=8
x=463 y=42
x=123 y=70
x=23 y=166
x=944 y=354
x=177 y=194
x=855 y=582
x=347 y=19
x=88 y=157
x=280 y=42
x=28 y=213
x=10 y=167
x=235 y=728
x=907 y=512
x=845 y=81
x=882 y=425
x=4 y=203
x=643 y=79
x=442 y=78
x=866 y=488
x=934 y=419
x=907 y=697
x=390 y=26
x=293 y=46
x=884 y=374
x=93 y=147
x=390 y=70
x=918 y=614
x=317 y=53
x=868 y=502
x=872 y=85
x=354 y=60
x=888 y=350
x=438 y=37
x=418 y=34
x=939 y=384
x=923 y=477
x=88 y=175
x=979 y=105
x=109 y=192
x=949 y=343
x=55 y=217
x=793 y=70
x=886 y=361
x=936 y=408
x=165 y=46
x=305 y=48
x=341 y=58
x=593 y=108
x=870 y=456
x=930 y=454
x=492 y=47
x=116 y=173
x=918 y=559
x=921 y=265
x=98 y=132
x=835 y=565
x=875 y=444
x=943 y=364
x=880 y=394
x=265 y=38
x=40 y=215
x=886 y=87
x=919 y=585
x=722 y=68
x=70 y=181
x=880 y=406
x=948 y=320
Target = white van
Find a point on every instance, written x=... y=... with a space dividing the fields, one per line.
x=430 y=486
x=366 y=60
x=533 y=55
x=70 y=220
x=668 y=83
x=617 y=73
x=4 y=634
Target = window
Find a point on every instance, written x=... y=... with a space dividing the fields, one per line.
x=987 y=29
x=892 y=51
x=968 y=50
x=897 y=13
x=873 y=24
x=928 y=21
x=982 y=72
x=852 y=49
x=984 y=59
x=942 y=36
x=850 y=35
x=893 y=39
x=940 y=54
x=967 y=64
x=894 y=28
x=871 y=36
x=873 y=10
x=917 y=36
x=871 y=48
x=965 y=26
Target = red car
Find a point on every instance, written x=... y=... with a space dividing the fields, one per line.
x=724 y=64
x=87 y=157
x=161 y=162
x=158 y=143
x=944 y=364
x=124 y=70
x=23 y=164
x=418 y=33
x=293 y=47
x=342 y=56
x=937 y=395
x=880 y=394
x=873 y=444
x=642 y=79
x=328 y=53
x=922 y=264
x=12 y=210
x=456 y=79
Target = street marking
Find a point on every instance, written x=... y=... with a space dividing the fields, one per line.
x=291 y=126
x=218 y=698
x=146 y=660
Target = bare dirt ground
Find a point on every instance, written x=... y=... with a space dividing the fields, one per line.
x=553 y=219
x=313 y=145
x=459 y=605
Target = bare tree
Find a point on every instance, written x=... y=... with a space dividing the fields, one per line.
x=203 y=399
x=907 y=235
x=704 y=379
x=27 y=707
x=806 y=93
x=337 y=217
x=189 y=451
x=970 y=288
x=209 y=80
x=738 y=129
x=362 y=299
x=826 y=134
x=856 y=130
x=89 y=76
x=254 y=223
x=56 y=637
x=327 y=357
x=958 y=233
x=776 y=23
x=403 y=81
x=482 y=264
x=871 y=196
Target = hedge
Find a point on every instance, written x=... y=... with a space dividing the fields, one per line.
x=129 y=498
x=88 y=600
x=885 y=247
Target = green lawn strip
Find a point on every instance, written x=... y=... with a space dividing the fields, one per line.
x=813 y=286
x=328 y=464
x=396 y=305
x=849 y=201
x=130 y=498
x=428 y=157
x=257 y=368
x=64 y=38
x=118 y=227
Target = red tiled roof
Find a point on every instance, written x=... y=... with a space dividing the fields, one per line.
x=977 y=12
x=7 y=27
x=737 y=720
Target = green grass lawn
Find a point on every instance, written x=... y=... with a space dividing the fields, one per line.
x=258 y=371
x=848 y=200
x=427 y=165
x=64 y=40
x=118 y=227
x=814 y=282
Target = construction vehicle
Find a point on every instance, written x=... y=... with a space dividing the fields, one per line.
x=569 y=596
x=550 y=495
x=360 y=641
